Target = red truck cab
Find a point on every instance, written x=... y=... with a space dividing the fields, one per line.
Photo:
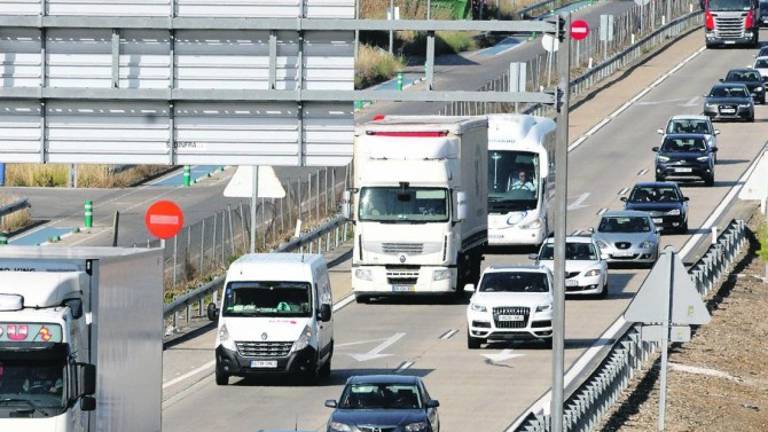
x=731 y=22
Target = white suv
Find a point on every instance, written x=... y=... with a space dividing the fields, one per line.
x=511 y=302
x=586 y=272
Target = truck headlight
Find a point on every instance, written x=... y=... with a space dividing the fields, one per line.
x=593 y=272
x=416 y=427
x=478 y=307
x=339 y=427
x=535 y=224
x=543 y=308
x=663 y=159
x=304 y=338
x=442 y=274
x=364 y=274
x=647 y=244
x=674 y=212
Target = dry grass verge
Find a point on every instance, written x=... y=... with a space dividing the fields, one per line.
x=375 y=65
x=89 y=176
x=16 y=220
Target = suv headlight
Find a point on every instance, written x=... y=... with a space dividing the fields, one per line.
x=535 y=224
x=416 y=427
x=339 y=427
x=663 y=158
x=543 y=308
x=442 y=274
x=647 y=244
x=303 y=341
x=593 y=272
x=364 y=274
x=674 y=212
x=478 y=307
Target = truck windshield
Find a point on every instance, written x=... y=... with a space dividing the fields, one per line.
x=573 y=252
x=403 y=204
x=730 y=5
x=514 y=282
x=513 y=181
x=268 y=299
x=32 y=388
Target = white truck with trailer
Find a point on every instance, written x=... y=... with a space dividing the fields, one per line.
x=520 y=179
x=80 y=339
x=419 y=205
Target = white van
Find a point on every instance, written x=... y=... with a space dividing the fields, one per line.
x=275 y=317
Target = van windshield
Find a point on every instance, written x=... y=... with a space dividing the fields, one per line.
x=268 y=299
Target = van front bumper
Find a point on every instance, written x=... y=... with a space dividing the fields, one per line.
x=232 y=363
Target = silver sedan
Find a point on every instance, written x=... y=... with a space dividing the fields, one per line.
x=628 y=237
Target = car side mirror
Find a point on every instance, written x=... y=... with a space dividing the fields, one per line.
x=686 y=198
x=325 y=313
x=533 y=257
x=655 y=149
x=87 y=403
x=717 y=131
x=88 y=373
x=660 y=131
x=331 y=404
x=461 y=206
x=591 y=230
x=346 y=205
x=714 y=149
x=624 y=199
x=658 y=230
x=721 y=80
x=432 y=404
x=469 y=288
x=212 y=312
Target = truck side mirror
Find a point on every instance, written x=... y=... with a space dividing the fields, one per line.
x=76 y=307
x=324 y=314
x=88 y=372
x=87 y=403
x=346 y=204
x=212 y=311
x=469 y=288
x=461 y=206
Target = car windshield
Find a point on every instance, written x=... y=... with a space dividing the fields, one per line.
x=403 y=204
x=699 y=126
x=381 y=396
x=573 y=252
x=510 y=281
x=761 y=63
x=730 y=5
x=32 y=386
x=654 y=194
x=624 y=224
x=513 y=181
x=763 y=51
x=723 y=92
x=268 y=299
x=693 y=144
x=743 y=76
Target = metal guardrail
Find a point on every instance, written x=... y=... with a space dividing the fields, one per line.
x=15 y=206
x=593 y=398
x=323 y=238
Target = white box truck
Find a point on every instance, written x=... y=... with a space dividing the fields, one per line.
x=80 y=339
x=419 y=204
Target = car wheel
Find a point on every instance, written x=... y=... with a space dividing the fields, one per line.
x=548 y=343
x=659 y=178
x=473 y=342
x=751 y=118
x=222 y=378
x=604 y=293
x=325 y=371
x=709 y=181
x=683 y=228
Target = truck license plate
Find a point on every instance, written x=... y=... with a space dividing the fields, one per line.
x=263 y=364
x=683 y=170
x=571 y=283
x=403 y=288
x=511 y=318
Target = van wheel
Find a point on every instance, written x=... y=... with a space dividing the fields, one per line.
x=222 y=378
x=473 y=342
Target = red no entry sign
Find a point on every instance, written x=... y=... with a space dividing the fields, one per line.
x=164 y=219
x=579 y=29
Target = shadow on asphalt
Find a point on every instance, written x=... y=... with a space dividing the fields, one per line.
x=338 y=377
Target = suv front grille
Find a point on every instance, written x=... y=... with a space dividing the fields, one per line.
x=515 y=310
x=623 y=245
x=377 y=428
x=264 y=349
x=402 y=248
x=729 y=27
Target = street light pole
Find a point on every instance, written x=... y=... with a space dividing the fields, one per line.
x=561 y=207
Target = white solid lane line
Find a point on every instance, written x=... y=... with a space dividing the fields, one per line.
x=403 y=366
x=189 y=374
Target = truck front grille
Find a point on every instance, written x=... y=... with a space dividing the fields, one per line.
x=729 y=27
x=514 y=310
x=402 y=248
x=264 y=349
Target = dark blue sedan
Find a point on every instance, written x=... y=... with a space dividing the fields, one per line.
x=384 y=403
x=664 y=201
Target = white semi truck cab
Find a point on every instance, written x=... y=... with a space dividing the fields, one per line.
x=80 y=339
x=419 y=204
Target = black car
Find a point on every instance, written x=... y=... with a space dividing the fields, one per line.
x=729 y=101
x=392 y=403
x=664 y=201
x=750 y=78
x=685 y=156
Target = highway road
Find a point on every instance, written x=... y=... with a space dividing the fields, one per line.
x=482 y=389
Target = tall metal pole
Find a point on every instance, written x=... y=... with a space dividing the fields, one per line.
x=254 y=199
x=667 y=328
x=391 y=33
x=561 y=194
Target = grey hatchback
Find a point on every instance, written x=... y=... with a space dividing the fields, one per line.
x=628 y=236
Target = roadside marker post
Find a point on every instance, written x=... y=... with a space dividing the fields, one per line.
x=88 y=208
x=400 y=81
x=3 y=239
x=187 y=176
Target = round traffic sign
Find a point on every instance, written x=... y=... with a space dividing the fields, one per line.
x=550 y=43
x=579 y=30
x=164 y=219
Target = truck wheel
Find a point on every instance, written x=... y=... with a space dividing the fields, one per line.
x=222 y=378
x=473 y=342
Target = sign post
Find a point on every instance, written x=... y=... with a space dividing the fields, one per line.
x=682 y=306
x=606 y=32
x=517 y=79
